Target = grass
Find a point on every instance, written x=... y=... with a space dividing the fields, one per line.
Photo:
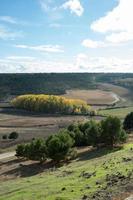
x=119 y=112
x=66 y=182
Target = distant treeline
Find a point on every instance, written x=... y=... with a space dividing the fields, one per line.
x=51 y=104
x=57 y=83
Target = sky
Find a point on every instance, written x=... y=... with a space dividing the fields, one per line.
x=66 y=36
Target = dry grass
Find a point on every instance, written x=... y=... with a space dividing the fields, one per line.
x=98 y=97
x=31 y=126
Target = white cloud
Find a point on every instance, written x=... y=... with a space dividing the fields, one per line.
x=119 y=37
x=43 y=48
x=103 y=64
x=8 y=19
x=45 y=4
x=6 y=33
x=117 y=24
x=36 y=65
x=74 y=6
x=17 y=58
x=92 y=43
x=82 y=63
x=51 y=9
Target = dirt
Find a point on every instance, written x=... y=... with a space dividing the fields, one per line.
x=30 y=125
x=93 y=97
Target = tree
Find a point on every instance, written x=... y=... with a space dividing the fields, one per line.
x=50 y=104
x=14 y=135
x=75 y=131
x=93 y=133
x=112 y=131
x=20 y=150
x=4 y=137
x=128 y=122
x=59 y=146
x=36 y=150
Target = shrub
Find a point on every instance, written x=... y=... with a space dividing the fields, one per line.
x=13 y=135
x=20 y=150
x=59 y=146
x=128 y=122
x=4 y=137
x=36 y=150
x=93 y=133
x=78 y=135
x=112 y=131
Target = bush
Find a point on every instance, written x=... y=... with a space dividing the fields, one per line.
x=107 y=132
x=36 y=150
x=59 y=146
x=4 y=137
x=20 y=150
x=77 y=134
x=13 y=135
x=128 y=122
x=112 y=131
x=93 y=133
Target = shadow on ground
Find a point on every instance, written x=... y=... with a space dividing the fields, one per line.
x=96 y=153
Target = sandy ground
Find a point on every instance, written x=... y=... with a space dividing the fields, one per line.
x=7 y=155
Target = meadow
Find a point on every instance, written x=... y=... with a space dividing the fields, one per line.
x=89 y=176
x=119 y=112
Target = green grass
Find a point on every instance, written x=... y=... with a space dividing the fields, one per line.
x=48 y=185
x=119 y=112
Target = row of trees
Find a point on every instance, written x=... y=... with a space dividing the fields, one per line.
x=106 y=132
x=59 y=146
x=51 y=104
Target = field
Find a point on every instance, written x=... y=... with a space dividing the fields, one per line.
x=93 y=97
x=103 y=174
x=30 y=125
x=119 y=112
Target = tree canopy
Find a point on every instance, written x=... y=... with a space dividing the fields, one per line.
x=51 y=104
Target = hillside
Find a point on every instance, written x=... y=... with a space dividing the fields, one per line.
x=16 y=84
x=99 y=175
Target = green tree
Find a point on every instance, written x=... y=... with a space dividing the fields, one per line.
x=111 y=131
x=4 y=137
x=20 y=150
x=76 y=132
x=93 y=133
x=128 y=122
x=14 y=135
x=36 y=150
x=59 y=145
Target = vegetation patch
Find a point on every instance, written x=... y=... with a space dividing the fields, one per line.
x=119 y=112
x=51 y=104
x=98 y=175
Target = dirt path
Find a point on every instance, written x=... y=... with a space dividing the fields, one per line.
x=129 y=198
x=7 y=155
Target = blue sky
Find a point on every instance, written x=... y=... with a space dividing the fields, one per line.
x=66 y=36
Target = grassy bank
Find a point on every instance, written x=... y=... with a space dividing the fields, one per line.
x=119 y=112
x=82 y=177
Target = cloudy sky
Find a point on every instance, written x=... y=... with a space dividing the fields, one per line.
x=66 y=36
